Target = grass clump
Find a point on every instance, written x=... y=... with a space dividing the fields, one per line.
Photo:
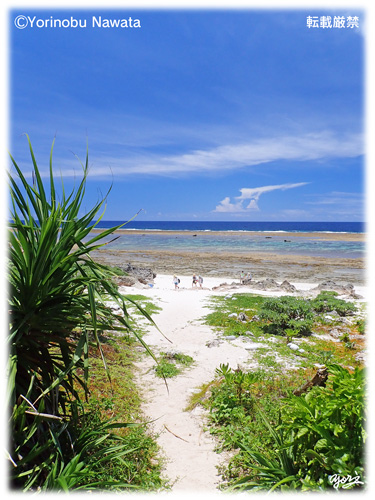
x=165 y=369
x=171 y=364
x=220 y=318
x=147 y=305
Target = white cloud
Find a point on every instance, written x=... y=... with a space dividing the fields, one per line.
x=228 y=207
x=253 y=195
x=233 y=156
x=306 y=147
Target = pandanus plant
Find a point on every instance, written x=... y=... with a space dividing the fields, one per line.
x=57 y=300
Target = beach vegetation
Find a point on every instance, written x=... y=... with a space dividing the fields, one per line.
x=120 y=399
x=312 y=348
x=147 y=305
x=317 y=435
x=201 y=394
x=171 y=364
x=361 y=326
x=231 y=406
x=220 y=319
x=327 y=301
x=166 y=369
x=282 y=441
x=58 y=316
x=288 y=442
x=183 y=359
x=287 y=314
x=136 y=316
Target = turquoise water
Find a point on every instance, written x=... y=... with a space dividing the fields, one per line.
x=238 y=242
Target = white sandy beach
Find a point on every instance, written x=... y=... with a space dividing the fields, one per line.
x=187 y=448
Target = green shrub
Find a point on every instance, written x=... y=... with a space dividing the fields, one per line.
x=319 y=434
x=287 y=313
x=326 y=301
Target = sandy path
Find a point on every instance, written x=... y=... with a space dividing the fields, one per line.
x=191 y=460
x=191 y=463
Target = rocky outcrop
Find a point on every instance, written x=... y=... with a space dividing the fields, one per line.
x=242 y=317
x=135 y=276
x=288 y=287
x=126 y=280
x=247 y=280
x=226 y=286
x=144 y=275
x=332 y=286
x=267 y=284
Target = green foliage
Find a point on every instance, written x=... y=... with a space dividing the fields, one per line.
x=242 y=381
x=319 y=434
x=183 y=359
x=361 y=324
x=147 y=305
x=287 y=314
x=247 y=303
x=57 y=300
x=279 y=472
x=77 y=453
x=120 y=399
x=330 y=421
x=166 y=368
x=232 y=403
x=326 y=301
x=253 y=305
x=288 y=442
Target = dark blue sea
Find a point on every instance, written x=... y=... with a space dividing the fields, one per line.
x=240 y=237
x=304 y=227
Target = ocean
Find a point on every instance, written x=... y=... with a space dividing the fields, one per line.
x=303 y=227
x=240 y=237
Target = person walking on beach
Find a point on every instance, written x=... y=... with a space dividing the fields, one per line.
x=200 y=280
x=176 y=281
x=195 y=280
x=242 y=277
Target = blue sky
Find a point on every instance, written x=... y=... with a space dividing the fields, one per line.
x=198 y=114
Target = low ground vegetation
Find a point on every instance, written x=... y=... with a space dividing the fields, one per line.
x=171 y=364
x=283 y=441
x=324 y=328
